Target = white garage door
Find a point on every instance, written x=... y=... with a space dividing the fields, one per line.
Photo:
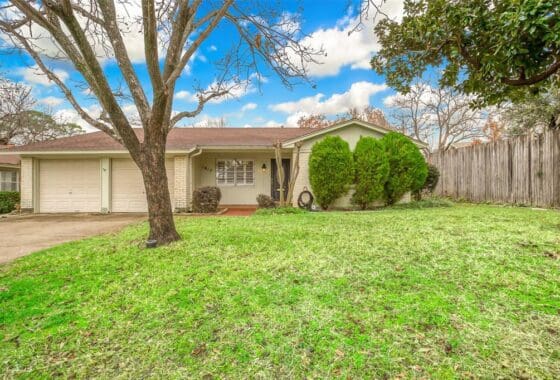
x=69 y=186
x=128 y=193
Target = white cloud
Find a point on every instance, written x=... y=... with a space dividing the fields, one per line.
x=69 y=115
x=212 y=48
x=237 y=89
x=51 y=101
x=344 y=46
x=272 y=124
x=357 y=96
x=249 y=107
x=186 y=95
x=425 y=93
x=128 y=14
x=34 y=75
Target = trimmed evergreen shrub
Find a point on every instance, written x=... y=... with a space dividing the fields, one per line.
x=372 y=170
x=8 y=201
x=206 y=199
x=331 y=170
x=407 y=167
x=265 y=201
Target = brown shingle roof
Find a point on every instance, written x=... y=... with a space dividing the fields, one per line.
x=178 y=139
x=10 y=159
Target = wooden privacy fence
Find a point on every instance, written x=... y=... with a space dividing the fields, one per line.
x=522 y=170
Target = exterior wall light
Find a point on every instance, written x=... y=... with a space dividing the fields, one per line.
x=263 y=168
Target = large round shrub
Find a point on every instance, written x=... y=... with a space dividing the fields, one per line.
x=407 y=167
x=331 y=170
x=372 y=170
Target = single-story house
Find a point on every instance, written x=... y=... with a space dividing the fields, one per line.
x=9 y=172
x=94 y=173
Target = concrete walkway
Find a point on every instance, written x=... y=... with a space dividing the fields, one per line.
x=22 y=235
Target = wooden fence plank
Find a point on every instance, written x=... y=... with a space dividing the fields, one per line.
x=523 y=170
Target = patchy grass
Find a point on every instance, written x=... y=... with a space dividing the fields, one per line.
x=429 y=202
x=467 y=291
x=279 y=211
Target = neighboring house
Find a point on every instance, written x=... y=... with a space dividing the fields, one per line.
x=9 y=172
x=94 y=173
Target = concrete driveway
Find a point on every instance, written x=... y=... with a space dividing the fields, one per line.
x=22 y=235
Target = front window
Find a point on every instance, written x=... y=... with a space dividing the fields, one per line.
x=235 y=172
x=9 y=181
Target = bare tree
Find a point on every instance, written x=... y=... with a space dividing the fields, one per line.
x=86 y=32
x=15 y=101
x=370 y=114
x=534 y=114
x=211 y=123
x=493 y=129
x=21 y=123
x=313 y=121
x=455 y=118
x=438 y=116
x=409 y=115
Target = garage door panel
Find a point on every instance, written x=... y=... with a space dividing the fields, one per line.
x=127 y=186
x=69 y=186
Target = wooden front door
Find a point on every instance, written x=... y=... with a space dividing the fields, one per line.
x=275 y=187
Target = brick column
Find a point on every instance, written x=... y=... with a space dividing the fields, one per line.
x=26 y=189
x=181 y=183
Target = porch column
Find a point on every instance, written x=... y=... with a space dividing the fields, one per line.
x=181 y=165
x=26 y=186
x=105 y=165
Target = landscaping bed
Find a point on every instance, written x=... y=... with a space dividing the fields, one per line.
x=447 y=292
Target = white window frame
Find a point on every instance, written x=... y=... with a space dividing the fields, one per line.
x=236 y=164
x=9 y=185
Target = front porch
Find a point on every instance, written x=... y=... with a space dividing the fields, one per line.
x=241 y=175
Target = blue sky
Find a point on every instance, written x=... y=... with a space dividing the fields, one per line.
x=343 y=80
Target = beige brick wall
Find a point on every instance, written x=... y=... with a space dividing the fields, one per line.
x=181 y=183
x=26 y=183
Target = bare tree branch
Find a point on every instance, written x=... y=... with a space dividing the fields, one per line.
x=202 y=100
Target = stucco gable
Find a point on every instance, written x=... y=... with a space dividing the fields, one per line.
x=350 y=131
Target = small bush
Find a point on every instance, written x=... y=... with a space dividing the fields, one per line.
x=331 y=170
x=430 y=184
x=206 y=199
x=407 y=167
x=8 y=201
x=279 y=211
x=265 y=201
x=372 y=169
x=432 y=179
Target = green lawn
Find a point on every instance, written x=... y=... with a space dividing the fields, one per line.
x=445 y=293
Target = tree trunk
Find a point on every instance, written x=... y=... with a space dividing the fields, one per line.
x=160 y=212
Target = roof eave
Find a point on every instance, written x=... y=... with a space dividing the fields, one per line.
x=318 y=132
